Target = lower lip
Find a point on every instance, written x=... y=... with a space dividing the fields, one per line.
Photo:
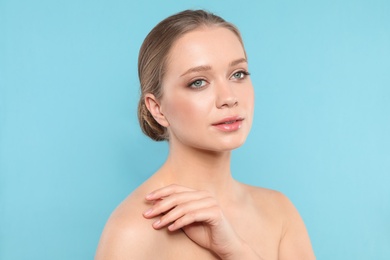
x=229 y=127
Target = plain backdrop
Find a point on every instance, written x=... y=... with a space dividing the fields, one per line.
x=71 y=149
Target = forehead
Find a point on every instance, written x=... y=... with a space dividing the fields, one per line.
x=213 y=46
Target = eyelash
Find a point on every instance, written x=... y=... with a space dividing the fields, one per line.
x=191 y=85
x=244 y=73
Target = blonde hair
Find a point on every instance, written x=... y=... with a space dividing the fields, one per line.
x=153 y=57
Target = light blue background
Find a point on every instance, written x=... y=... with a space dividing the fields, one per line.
x=71 y=148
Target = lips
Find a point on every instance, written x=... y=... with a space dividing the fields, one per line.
x=229 y=124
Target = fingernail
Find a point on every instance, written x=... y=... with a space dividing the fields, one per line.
x=157 y=223
x=150 y=195
x=148 y=212
x=171 y=227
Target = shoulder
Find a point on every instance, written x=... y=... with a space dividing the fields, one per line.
x=280 y=205
x=294 y=241
x=271 y=200
x=127 y=234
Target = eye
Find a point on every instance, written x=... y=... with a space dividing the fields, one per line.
x=240 y=74
x=197 y=83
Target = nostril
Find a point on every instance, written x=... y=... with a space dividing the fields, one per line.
x=225 y=96
x=231 y=102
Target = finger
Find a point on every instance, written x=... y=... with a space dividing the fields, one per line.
x=211 y=216
x=166 y=191
x=183 y=209
x=166 y=204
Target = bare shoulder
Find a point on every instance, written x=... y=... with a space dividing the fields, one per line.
x=127 y=234
x=271 y=200
x=294 y=241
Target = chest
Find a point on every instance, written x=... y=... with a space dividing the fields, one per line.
x=181 y=247
x=260 y=233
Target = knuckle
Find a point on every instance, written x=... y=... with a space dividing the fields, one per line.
x=179 y=209
x=192 y=215
x=173 y=200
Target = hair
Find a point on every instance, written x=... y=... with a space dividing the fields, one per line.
x=153 y=57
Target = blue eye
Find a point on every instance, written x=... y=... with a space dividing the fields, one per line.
x=198 y=83
x=240 y=74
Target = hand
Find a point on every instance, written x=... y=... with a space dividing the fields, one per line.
x=198 y=214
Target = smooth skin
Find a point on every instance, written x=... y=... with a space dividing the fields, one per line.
x=192 y=208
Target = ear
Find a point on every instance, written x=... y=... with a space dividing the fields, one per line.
x=154 y=108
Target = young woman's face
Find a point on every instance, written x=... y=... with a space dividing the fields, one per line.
x=208 y=96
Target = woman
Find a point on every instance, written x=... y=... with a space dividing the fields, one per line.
x=197 y=95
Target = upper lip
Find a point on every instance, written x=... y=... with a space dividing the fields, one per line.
x=229 y=119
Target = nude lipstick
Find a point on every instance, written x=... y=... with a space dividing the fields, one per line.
x=229 y=124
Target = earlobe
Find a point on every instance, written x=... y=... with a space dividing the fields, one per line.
x=154 y=107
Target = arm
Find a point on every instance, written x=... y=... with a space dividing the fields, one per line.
x=124 y=237
x=295 y=241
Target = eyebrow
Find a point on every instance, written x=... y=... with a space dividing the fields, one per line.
x=207 y=67
x=236 y=62
x=196 y=69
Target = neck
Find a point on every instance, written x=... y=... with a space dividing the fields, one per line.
x=198 y=169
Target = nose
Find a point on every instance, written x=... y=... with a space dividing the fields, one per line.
x=225 y=96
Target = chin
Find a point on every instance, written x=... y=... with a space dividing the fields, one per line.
x=230 y=147
x=214 y=143
x=229 y=144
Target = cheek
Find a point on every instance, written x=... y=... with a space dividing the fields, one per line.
x=252 y=98
x=181 y=109
x=248 y=97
